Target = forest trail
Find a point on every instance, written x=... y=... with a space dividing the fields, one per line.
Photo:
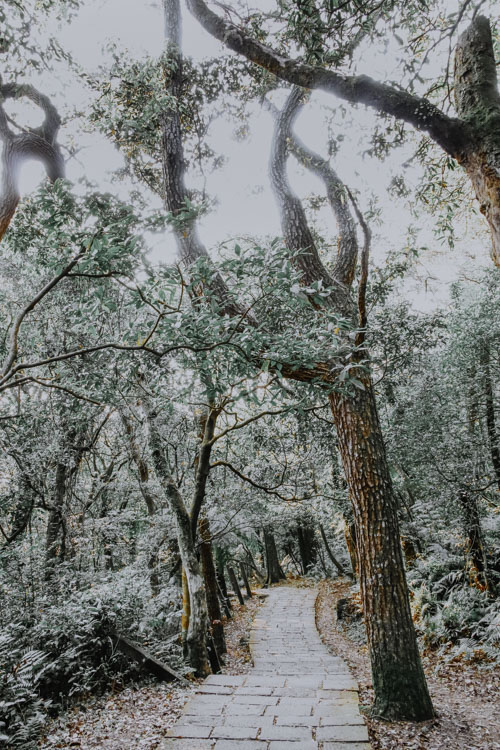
x=297 y=696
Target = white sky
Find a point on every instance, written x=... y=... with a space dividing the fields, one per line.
x=245 y=203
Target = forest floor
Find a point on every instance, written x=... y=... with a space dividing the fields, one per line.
x=466 y=696
x=140 y=715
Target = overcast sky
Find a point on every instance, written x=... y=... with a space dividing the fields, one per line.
x=245 y=203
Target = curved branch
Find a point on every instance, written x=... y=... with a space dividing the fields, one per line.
x=345 y=265
x=267 y=490
x=296 y=232
x=450 y=133
x=37 y=143
x=298 y=236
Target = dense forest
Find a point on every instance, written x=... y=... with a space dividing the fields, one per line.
x=217 y=378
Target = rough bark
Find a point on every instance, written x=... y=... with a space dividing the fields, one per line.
x=477 y=103
x=207 y=563
x=148 y=496
x=72 y=449
x=307 y=547
x=398 y=678
x=189 y=244
x=196 y=646
x=274 y=572
x=221 y=581
x=448 y=132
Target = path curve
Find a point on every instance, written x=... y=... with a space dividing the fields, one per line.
x=297 y=697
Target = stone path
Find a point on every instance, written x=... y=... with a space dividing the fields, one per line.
x=297 y=697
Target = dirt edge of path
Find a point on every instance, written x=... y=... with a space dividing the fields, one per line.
x=466 y=698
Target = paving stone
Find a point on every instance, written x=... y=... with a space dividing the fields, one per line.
x=225 y=679
x=297 y=697
x=247 y=721
x=240 y=745
x=265 y=681
x=263 y=700
x=215 y=690
x=191 y=730
x=342 y=734
x=190 y=744
x=340 y=683
x=241 y=709
x=297 y=721
x=234 y=733
x=249 y=690
x=292 y=734
x=341 y=717
x=295 y=692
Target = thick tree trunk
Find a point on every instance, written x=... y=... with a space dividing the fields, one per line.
x=207 y=563
x=307 y=547
x=398 y=678
x=474 y=548
x=274 y=572
x=478 y=104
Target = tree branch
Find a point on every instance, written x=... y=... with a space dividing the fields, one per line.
x=38 y=143
x=450 y=133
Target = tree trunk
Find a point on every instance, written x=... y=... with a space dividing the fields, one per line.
x=55 y=518
x=274 y=572
x=307 y=547
x=245 y=579
x=478 y=104
x=493 y=437
x=221 y=580
x=207 y=563
x=350 y=540
x=235 y=585
x=474 y=548
x=196 y=630
x=398 y=678
x=147 y=494
x=186 y=614
x=329 y=552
